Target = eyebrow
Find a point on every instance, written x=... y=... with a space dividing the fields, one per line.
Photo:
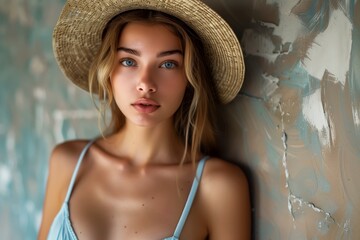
x=162 y=54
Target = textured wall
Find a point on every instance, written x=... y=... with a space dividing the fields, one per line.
x=295 y=126
x=37 y=109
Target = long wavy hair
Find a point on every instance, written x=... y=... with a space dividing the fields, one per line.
x=194 y=120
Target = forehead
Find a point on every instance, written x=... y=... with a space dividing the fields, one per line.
x=152 y=33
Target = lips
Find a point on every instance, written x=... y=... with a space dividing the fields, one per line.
x=145 y=105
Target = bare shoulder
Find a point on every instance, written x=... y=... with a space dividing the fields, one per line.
x=66 y=154
x=226 y=199
x=227 y=175
x=63 y=160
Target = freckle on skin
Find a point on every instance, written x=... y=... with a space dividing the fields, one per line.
x=143 y=204
x=153 y=198
x=125 y=226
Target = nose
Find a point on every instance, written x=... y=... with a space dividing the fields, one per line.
x=146 y=83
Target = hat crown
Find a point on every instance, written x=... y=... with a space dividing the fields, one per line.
x=77 y=38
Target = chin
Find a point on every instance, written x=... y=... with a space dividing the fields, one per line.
x=144 y=122
x=148 y=122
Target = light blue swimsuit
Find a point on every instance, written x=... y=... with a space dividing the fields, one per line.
x=61 y=228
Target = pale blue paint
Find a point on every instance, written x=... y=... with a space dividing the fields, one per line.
x=297 y=77
x=269 y=230
x=354 y=82
x=272 y=154
x=20 y=42
x=316 y=18
x=304 y=183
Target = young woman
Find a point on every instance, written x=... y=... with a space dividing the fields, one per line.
x=160 y=66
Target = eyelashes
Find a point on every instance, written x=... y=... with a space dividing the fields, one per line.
x=128 y=62
x=168 y=64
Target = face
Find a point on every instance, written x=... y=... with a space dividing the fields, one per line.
x=148 y=80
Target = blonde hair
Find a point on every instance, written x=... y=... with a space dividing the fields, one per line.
x=194 y=118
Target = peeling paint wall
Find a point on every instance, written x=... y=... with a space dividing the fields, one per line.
x=294 y=128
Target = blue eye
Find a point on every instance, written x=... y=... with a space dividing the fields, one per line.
x=168 y=65
x=128 y=63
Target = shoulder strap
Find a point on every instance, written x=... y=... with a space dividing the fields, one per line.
x=81 y=157
x=191 y=197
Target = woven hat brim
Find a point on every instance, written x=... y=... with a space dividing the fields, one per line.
x=78 y=32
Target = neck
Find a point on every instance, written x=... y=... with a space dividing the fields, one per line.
x=149 y=145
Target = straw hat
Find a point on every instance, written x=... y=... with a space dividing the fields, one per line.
x=77 y=38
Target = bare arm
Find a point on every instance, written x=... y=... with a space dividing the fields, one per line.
x=227 y=201
x=60 y=171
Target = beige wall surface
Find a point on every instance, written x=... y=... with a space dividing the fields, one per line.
x=294 y=127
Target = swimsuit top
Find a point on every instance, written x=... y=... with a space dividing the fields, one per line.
x=61 y=228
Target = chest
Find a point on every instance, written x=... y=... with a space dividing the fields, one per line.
x=133 y=205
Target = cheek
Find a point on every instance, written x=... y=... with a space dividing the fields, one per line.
x=120 y=90
x=120 y=82
x=120 y=75
x=176 y=90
